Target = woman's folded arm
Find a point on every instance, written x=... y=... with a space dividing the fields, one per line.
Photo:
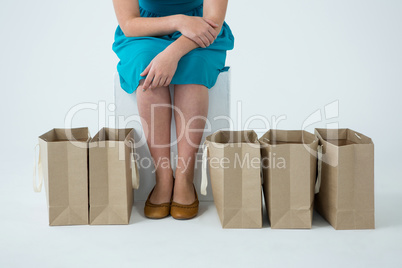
x=132 y=24
x=215 y=10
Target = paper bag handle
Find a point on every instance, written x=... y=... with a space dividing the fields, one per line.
x=204 y=178
x=135 y=176
x=89 y=137
x=40 y=171
x=319 y=167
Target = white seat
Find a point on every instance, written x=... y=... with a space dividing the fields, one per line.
x=126 y=115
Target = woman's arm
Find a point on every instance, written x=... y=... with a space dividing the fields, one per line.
x=158 y=72
x=214 y=11
x=132 y=24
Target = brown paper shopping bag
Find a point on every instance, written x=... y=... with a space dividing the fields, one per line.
x=234 y=165
x=289 y=163
x=346 y=193
x=62 y=164
x=113 y=174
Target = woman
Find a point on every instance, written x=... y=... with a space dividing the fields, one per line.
x=178 y=42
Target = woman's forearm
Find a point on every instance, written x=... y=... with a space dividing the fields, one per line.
x=132 y=24
x=150 y=26
x=215 y=10
x=181 y=47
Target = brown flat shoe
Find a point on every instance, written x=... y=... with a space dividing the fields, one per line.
x=156 y=211
x=184 y=212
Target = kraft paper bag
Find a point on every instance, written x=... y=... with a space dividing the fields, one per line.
x=289 y=161
x=234 y=165
x=113 y=174
x=63 y=166
x=346 y=174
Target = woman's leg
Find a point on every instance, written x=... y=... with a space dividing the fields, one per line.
x=191 y=109
x=156 y=122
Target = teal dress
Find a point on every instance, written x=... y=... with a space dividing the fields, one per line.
x=199 y=66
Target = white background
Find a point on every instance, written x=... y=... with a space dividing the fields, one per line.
x=291 y=58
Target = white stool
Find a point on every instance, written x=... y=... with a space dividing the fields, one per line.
x=126 y=115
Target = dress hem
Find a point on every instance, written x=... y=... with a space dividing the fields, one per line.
x=224 y=69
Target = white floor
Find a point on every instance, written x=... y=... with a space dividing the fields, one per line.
x=26 y=240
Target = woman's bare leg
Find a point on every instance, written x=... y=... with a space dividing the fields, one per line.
x=191 y=109
x=156 y=124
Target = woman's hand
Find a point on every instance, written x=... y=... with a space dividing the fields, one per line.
x=160 y=70
x=200 y=30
